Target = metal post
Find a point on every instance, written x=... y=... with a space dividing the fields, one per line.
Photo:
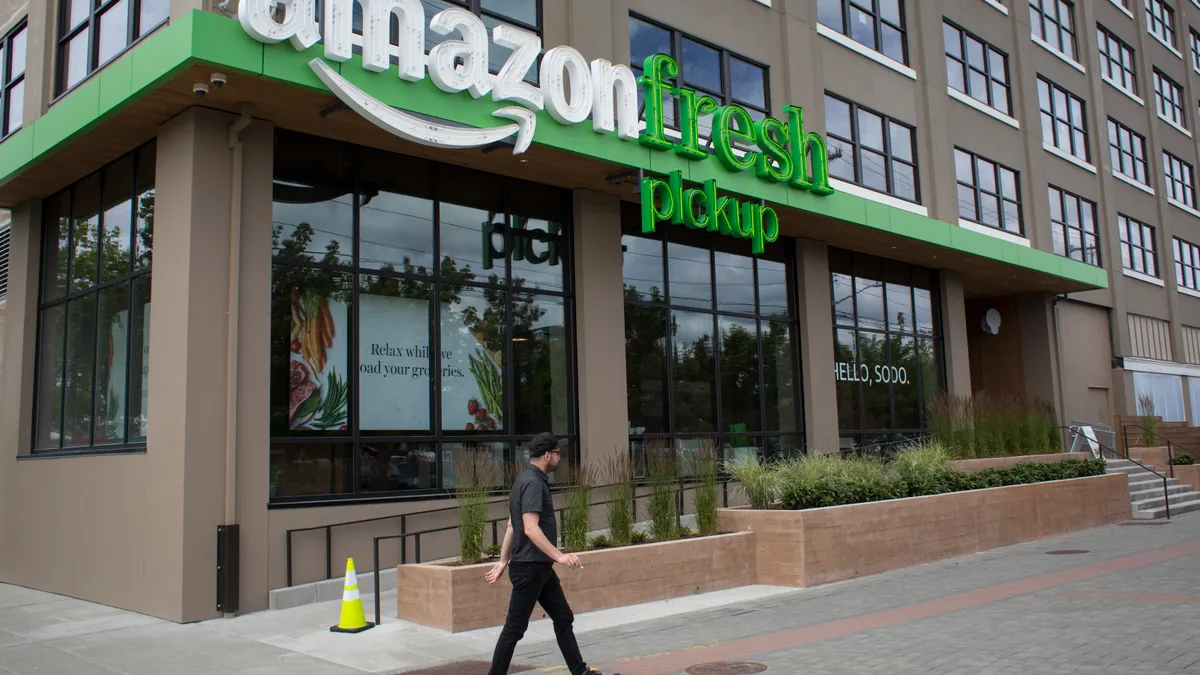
x=328 y=552
x=417 y=546
x=289 y=558
x=1166 y=498
x=376 y=543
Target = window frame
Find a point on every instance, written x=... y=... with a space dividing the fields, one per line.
x=978 y=191
x=877 y=22
x=9 y=82
x=1039 y=19
x=1129 y=248
x=1166 y=21
x=134 y=33
x=1178 y=113
x=1187 y=273
x=1115 y=146
x=1073 y=125
x=1106 y=40
x=890 y=160
x=1194 y=42
x=1061 y=228
x=964 y=63
x=1174 y=182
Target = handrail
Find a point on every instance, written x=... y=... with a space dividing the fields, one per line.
x=1103 y=447
x=679 y=495
x=1157 y=434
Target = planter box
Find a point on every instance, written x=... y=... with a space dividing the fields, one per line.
x=458 y=598
x=973 y=465
x=1188 y=475
x=820 y=546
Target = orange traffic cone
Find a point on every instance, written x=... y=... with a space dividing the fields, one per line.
x=353 y=620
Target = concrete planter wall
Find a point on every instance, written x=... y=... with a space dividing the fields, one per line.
x=1188 y=475
x=458 y=598
x=973 y=465
x=820 y=546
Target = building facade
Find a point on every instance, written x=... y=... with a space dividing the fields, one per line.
x=375 y=235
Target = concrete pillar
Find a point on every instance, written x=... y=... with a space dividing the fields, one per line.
x=1039 y=353
x=600 y=327
x=40 y=61
x=186 y=440
x=817 y=355
x=20 y=330
x=955 y=334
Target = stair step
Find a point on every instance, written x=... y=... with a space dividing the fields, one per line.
x=1176 y=509
x=1157 y=502
x=1157 y=490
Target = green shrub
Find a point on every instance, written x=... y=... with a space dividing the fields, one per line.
x=756 y=478
x=705 y=470
x=1149 y=437
x=991 y=426
x=620 y=498
x=1183 y=460
x=577 y=507
x=638 y=537
x=662 y=477
x=600 y=541
x=492 y=551
x=475 y=472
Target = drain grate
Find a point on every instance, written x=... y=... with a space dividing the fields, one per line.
x=465 y=668
x=1067 y=551
x=726 y=668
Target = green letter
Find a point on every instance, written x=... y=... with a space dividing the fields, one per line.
x=690 y=110
x=749 y=222
x=689 y=208
x=651 y=214
x=655 y=69
x=733 y=123
x=675 y=181
x=774 y=152
x=728 y=216
x=806 y=148
x=768 y=230
x=711 y=206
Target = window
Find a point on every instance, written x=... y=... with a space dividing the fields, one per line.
x=1166 y=391
x=94 y=317
x=1179 y=180
x=711 y=342
x=524 y=14
x=93 y=33
x=875 y=24
x=12 y=80
x=1063 y=122
x=1194 y=39
x=1187 y=264
x=1116 y=61
x=725 y=76
x=1128 y=152
x=976 y=68
x=1160 y=21
x=1138 y=252
x=1168 y=97
x=870 y=149
x=1073 y=220
x=988 y=193
x=1053 y=22
x=888 y=347
x=419 y=311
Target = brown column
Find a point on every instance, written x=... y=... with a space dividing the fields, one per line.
x=955 y=335
x=600 y=327
x=815 y=303
x=1039 y=349
x=39 y=58
x=20 y=329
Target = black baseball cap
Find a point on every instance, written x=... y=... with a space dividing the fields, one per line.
x=545 y=442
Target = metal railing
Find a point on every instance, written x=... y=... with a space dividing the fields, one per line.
x=1074 y=432
x=1157 y=435
x=495 y=522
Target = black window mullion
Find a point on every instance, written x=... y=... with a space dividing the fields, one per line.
x=669 y=338
x=510 y=381
x=718 y=343
x=352 y=330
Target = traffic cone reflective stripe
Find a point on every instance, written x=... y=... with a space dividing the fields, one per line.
x=353 y=620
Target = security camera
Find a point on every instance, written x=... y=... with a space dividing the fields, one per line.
x=218 y=80
x=199 y=89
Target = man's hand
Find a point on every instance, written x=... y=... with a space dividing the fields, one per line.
x=494 y=574
x=570 y=560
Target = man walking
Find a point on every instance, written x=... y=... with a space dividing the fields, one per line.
x=529 y=545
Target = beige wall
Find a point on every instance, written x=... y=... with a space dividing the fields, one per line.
x=1086 y=359
x=817 y=355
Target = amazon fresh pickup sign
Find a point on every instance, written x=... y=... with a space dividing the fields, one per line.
x=571 y=91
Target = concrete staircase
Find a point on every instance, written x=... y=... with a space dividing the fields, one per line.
x=1146 y=492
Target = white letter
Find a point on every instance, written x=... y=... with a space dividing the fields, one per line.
x=298 y=24
x=377 y=31
x=510 y=84
x=472 y=49
x=605 y=79
x=339 y=29
x=554 y=86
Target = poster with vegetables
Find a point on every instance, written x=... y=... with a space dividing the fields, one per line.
x=319 y=394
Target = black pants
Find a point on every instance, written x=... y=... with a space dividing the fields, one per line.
x=536 y=583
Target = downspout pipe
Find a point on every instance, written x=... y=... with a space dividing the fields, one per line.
x=231 y=319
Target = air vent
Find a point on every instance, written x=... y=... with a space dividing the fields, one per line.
x=5 y=231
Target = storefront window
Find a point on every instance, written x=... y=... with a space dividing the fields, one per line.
x=419 y=311
x=888 y=339
x=94 y=321
x=710 y=343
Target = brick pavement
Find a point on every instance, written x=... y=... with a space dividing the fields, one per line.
x=1129 y=605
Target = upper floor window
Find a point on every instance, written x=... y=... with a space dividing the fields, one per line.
x=1138 y=252
x=1168 y=96
x=1073 y=220
x=988 y=193
x=1116 y=61
x=92 y=33
x=1063 y=122
x=976 y=68
x=1053 y=22
x=875 y=24
x=12 y=80
x=94 y=317
x=1127 y=149
x=870 y=149
x=1179 y=180
x=711 y=71
x=1187 y=264
x=1160 y=21
x=1194 y=39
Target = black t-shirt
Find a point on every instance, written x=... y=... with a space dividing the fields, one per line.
x=531 y=494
